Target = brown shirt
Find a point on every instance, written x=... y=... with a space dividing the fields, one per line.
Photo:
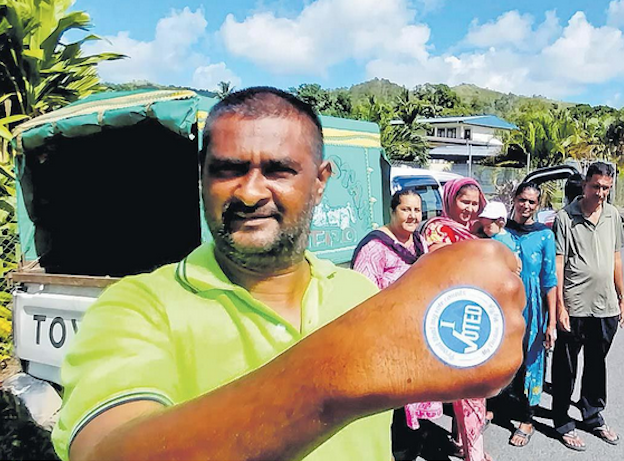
x=589 y=256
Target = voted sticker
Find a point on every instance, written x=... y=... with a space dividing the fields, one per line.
x=464 y=326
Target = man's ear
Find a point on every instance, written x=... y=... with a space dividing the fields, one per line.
x=323 y=175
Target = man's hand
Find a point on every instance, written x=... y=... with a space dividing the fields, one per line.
x=621 y=313
x=563 y=319
x=392 y=363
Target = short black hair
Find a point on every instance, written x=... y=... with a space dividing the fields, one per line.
x=396 y=197
x=263 y=101
x=528 y=185
x=601 y=169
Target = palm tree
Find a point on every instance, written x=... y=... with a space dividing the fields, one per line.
x=542 y=134
x=224 y=89
x=405 y=143
x=589 y=140
x=40 y=71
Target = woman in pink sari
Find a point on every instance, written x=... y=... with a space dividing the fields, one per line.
x=383 y=256
x=463 y=201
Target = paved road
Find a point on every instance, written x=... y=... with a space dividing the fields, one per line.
x=544 y=445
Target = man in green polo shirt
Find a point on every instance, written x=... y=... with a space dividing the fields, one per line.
x=588 y=235
x=250 y=347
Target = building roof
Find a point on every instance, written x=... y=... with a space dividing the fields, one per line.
x=490 y=121
x=448 y=152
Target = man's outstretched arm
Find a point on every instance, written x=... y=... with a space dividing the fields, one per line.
x=371 y=359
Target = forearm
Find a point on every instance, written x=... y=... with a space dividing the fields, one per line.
x=281 y=411
x=617 y=275
x=551 y=301
x=559 y=294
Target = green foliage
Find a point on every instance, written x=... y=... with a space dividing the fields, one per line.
x=224 y=90
x=146 y=85
x=21 y=438
x=486 y=101
x=40 y=71
x=382 y=89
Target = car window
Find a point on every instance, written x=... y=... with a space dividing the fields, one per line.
x=429 y=193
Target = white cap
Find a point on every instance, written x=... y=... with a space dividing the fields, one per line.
x=494 y=210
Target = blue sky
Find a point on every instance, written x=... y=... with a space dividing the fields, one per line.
x=567 y=49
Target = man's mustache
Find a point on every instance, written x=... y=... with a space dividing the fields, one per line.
x=236 y=209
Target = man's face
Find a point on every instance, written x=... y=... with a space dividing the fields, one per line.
x=261 y=183
x=596 y=189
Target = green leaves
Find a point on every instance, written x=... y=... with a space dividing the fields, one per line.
x=42 y=72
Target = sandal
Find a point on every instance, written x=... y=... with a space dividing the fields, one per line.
x=524 y=436
x=456 y=450
x=603 y=432
x=573 y=435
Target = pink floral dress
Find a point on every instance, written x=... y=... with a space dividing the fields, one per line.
x=469 y=413
x=384 y=266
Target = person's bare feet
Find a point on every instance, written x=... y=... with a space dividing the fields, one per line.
x=522 y=436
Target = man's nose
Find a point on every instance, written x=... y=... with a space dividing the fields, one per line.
x=252 y=189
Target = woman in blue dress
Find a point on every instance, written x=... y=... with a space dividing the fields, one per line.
x=537 y=252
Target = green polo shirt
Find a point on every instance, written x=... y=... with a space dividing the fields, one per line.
x=589 y=257
x=184 y=330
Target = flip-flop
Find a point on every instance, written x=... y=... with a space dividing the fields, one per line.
x=600 y=433
x=573 y=434
x=524 y=435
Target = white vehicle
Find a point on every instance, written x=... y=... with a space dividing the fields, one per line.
x=428 y=183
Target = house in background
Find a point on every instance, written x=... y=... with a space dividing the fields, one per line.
x=459 y=141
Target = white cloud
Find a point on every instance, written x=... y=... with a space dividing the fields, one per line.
x=547 y=31
x=615 y=101
x=431 y=5
x=169 y=58
x=585 y=54
x=208 y=77
x=550 y=60
x=513 y=53
x=325 y=33
x=509 y=28
x=615 y=13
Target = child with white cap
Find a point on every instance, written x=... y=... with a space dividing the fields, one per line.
x=493 y=219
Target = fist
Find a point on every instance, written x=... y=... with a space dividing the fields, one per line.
x=450 y=328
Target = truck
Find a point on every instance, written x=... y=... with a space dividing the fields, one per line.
x=109 y=186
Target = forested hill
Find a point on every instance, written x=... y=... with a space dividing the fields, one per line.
x=474 y=98
x=431 y=99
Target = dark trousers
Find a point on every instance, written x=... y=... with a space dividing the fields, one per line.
x=406 y=443
x=594 y=335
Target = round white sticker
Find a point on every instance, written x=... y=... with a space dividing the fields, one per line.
x=464 y=326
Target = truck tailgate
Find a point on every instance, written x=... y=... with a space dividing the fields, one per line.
x=46 y=318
